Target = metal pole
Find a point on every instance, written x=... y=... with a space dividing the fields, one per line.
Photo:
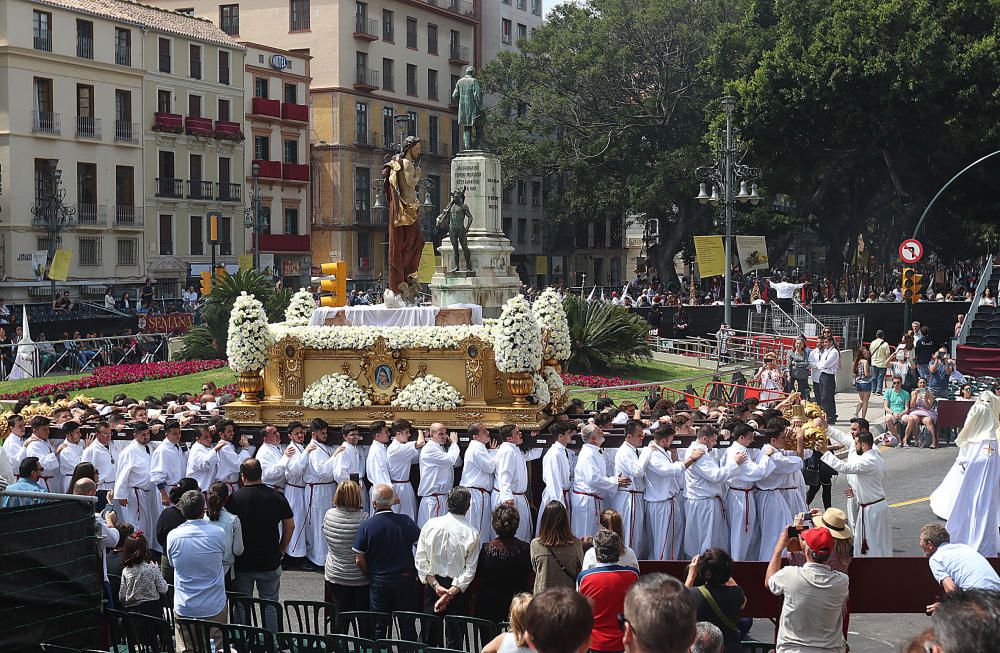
x=728 y=103
x=257 y=227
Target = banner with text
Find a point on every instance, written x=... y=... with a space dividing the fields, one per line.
x=59 y=271
x=710 y=255
x=752 y=251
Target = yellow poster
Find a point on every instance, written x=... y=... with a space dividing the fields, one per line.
x=427 y=263
x=246 y=262
x=59 y=270
x=541 y=265
x=711 y=256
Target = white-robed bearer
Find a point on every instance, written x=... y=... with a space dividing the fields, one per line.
x=98 y=453
x=230 y=458
x=167 y=466
x=478 y=468
x=706 y=524
x=70 y=453
x=630 y=501
x=512 y=478
x=402 y=455
x=377 y=463
x=557 y=469
x=133 y=494
x=295 y=462
x=773 y=512
x=202 y=460
x=320 y=487
x=349 y=464
x=591 y=484
x=38 y=446
x=741 y=502
x=14 y=442
x=873 y=531
x=438 y=460
x=664 y=496
x=973 y=519
x=271 y=457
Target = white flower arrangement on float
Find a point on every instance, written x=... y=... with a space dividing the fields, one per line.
x=300 y=308
x=517 y=341
x=553 y=380
x=550 y=314
x=428 y=392
x=335 y=392
x=249 y=335
x=349 y=337
x=541 y=391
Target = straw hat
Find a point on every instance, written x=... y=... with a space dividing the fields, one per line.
x=836 y=520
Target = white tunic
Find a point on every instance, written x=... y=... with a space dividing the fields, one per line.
x=348 y=462
x=47 y=458
x=773 y=512
x=591 y=488
x=69 y=457
x=741 y=503
x=319 y=490
x=401 y=457
x=973 y=520
x=707 y=524
x=101 y=458
x=478 y=469
x=512 y=485
x=664 y=498
x=272 y=468
x=873 y=535
x=298 y=500
x=377 y=465
x=437 y=477
x=12 y=445
x=629 y=501
x=558 y=479
x=133 y=484
x=228 y=470
x=201 y=465
x=166 y=467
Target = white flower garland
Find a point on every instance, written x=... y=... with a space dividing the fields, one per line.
x=553 y=380
x=335 y=392
x=428 y=393
x=300 y=308
x=541 y=391
x=517 y=341
x=550 y=314
x=249 y=335
x=348 y=337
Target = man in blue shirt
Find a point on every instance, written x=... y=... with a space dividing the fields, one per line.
x=955 y=566
x=384 y=548
x=30 y=472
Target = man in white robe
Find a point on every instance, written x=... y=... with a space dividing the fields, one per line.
x=873 y=534
x=707 y=526
x=478 y=469
x=974 y=518
x=98 y=453
x=167 y=465
x=320 y=488
x=349 y=464
x=664 y=476
x=512 y=479
x=773 y=513
x=14 y=442
x=377 y=463
x=38 y=446
x=556 y=470
x=741 y=503
x=202 y=460
x=295 y=461
x=133 y=487
x=70 y=453
x=591 y=484
x=629 y=501
x=437 y=473
x=228 y=470
x=271 y=457
x=402 y=455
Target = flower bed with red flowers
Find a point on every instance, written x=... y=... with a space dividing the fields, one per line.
x=594 y=381
x=119 y=375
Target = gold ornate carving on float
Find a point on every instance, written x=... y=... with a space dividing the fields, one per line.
x=384 y=370
x=289 y=414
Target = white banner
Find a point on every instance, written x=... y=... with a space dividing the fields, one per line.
x=38 y=260
x=752 y=251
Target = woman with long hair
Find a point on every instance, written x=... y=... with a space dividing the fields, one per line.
x=83 y=470
x=862 y=379
x=216 y=513
x=797 y=369
x=612 y=521
x=514 y=641
x=768 y=379
x=169 y=519
x=922 y=412
x=142 y=583
x=717 y=596
x=556 y=555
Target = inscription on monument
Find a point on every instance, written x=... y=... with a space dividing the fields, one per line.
x=469 y=176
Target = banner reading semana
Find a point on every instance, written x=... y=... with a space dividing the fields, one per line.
x=711 y=256
x=752 y=251
x=59 y=271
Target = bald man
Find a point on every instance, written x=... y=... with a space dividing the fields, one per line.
x=437 y=473
x=86 y=487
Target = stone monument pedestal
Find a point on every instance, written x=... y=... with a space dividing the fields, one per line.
x=495 y=281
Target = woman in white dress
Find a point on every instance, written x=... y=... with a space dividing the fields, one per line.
x=769 y=377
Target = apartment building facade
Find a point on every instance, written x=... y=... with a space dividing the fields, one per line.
x=277 y=117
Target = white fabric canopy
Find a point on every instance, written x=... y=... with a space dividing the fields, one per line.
x=380 y=316
x=24 y=360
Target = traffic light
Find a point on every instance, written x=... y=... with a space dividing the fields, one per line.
x=337 y=286
x=206 y=283
x=220 y=274
x=911 y=285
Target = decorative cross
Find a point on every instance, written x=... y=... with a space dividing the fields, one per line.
x=988 y=450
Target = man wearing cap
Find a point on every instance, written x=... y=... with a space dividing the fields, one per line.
x=812 y=613
x=868 y=487
x=707 y=524
x=591 y=483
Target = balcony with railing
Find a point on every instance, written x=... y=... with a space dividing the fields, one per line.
x=369 y=217
x=170 y=187
x=126 y=132
x=88 y=127
x=292 y=111
x=268 y=169
x=295 y=172
x=464 y=8
x=199 y=189
x=123 y=56
x=366 y=79
x=85 y=47
x=91 y=215
x=196 y=126
x=366 y=28
x=458 y=54
x=43 y=41
x=228 y=131
x=170 y=123
x=262 y=106
x=128 y=216
x=44 y=122
x=229 y=192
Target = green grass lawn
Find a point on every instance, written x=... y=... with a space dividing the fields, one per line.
x=188 y=383
x=674 y=376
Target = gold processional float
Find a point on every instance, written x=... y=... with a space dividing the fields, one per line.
x=812 y=417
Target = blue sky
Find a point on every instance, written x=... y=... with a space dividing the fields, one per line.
x=548 y=4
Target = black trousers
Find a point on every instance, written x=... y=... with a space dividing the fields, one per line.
x=397 y=595
x=828 y=386
x=347 y=598
x=459 y=606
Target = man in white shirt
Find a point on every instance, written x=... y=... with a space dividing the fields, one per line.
x=955 y=566
x=228 y=470
x=741 y=503
x=512 y=478
x=98 y=453
x=38 y=446
x=136 y=503
x=829 y=364
x=14 y=441
x=377 y=464
x=295 y=462
x=166 y=468
x=402 y=454
x=202 y=460
x=320 y=488
x=437 y=473
x=591 y=484
x=815 y=372
x=629 y=501
x=873 y=533
x=557 y=470
x=348 y=465
x=706 y=524
x=271 y=457
x=664 y=476
x=70 y=453
x=785 y=291
x=478 y=469
x=446 y=558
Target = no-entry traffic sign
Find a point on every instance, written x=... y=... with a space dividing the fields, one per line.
x=911 y=251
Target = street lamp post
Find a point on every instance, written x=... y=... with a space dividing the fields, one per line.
x=252 y=218
x=727 y=169
x=50 y=211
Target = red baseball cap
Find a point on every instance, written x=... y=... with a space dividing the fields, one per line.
x=819 y=540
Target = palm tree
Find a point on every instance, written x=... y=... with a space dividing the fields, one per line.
x=604 y=335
